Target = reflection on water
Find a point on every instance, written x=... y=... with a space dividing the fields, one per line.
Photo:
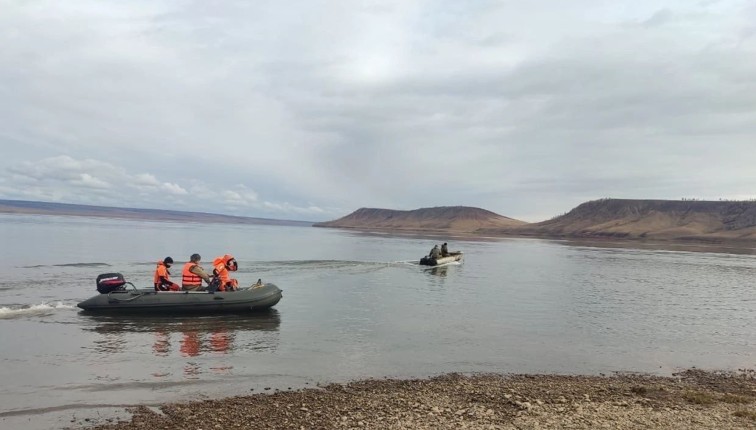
x=692 y=246
x=438 y=271
x=191 y=336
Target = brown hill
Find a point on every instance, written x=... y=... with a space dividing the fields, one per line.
x=458 y=219
x=709 y=221
x=648 y=219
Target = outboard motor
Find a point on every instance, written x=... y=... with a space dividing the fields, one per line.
x=109 y=282
x=427 y=261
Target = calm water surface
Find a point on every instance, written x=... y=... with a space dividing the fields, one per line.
x=354 y=306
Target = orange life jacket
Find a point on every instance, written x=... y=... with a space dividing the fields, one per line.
x=161 y=271
x=221 y=272
x=189 y=279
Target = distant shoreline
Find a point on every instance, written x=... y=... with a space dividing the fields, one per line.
x=704 y=243
x=160 y=219
x=20 y=207
x=695 y=223
x=724 y=245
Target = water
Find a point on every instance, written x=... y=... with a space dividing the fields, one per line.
x=354 y=306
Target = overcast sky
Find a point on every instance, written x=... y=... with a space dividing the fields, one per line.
x=309 y=110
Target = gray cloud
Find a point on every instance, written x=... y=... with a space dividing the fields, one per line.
x=251 y=109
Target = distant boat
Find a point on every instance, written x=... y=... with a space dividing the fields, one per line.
x=452 y=257
x=133 y=300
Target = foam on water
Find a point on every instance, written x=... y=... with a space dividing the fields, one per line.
x=10 y=312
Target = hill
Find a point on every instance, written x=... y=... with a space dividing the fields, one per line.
x=648 y=219
x=46 y=208
x=457 y=219
x=705 y=221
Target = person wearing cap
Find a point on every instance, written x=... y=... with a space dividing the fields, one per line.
x=444 y=250
x=162 y=278
x=192 y=275
x=221 y=266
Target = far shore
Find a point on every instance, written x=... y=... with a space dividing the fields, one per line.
x=157 y=216
x=723 y=245
x=691 y=399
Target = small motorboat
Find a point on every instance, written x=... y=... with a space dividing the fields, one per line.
x=451 y=258
x=117 y=295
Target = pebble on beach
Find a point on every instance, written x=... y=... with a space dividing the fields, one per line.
x=692 y=399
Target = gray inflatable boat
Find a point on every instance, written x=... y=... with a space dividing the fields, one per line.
x=135 y=300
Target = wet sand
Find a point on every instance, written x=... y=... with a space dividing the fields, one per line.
x=692 y=399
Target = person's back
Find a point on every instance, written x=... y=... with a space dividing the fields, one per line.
x=444 y=250
x=435 y=252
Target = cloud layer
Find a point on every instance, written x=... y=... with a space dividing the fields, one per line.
x=309 y=110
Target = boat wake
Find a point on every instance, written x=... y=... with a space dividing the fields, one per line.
x=326 y=264
x=405 y=263
x=311 y=265
x=21 y=311
x=452 y=263
x=82 y=265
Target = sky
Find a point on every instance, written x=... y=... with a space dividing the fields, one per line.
x=309 y=110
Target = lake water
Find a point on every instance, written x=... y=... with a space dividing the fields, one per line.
x=354 y=306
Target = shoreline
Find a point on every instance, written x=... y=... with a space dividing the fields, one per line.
x=685 y=400
x=705 y=245
x=702 y=242
x=170 y=216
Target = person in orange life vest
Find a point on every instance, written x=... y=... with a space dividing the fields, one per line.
x=193 y=275
x=221 y=267
x=162 y=279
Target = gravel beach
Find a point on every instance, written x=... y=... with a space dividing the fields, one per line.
x=692 y=399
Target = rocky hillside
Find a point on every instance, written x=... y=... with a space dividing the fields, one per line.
x=459 y=219
x=653 y=219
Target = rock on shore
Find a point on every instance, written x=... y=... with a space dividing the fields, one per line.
x=689 y=400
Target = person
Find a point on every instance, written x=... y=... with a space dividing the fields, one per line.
x=193 y=274
x=444 y=250
x=162 y=278
x=221 y=266
x=435 y=253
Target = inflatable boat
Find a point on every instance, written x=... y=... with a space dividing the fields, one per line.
x=120 y=298
x=452 y=257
